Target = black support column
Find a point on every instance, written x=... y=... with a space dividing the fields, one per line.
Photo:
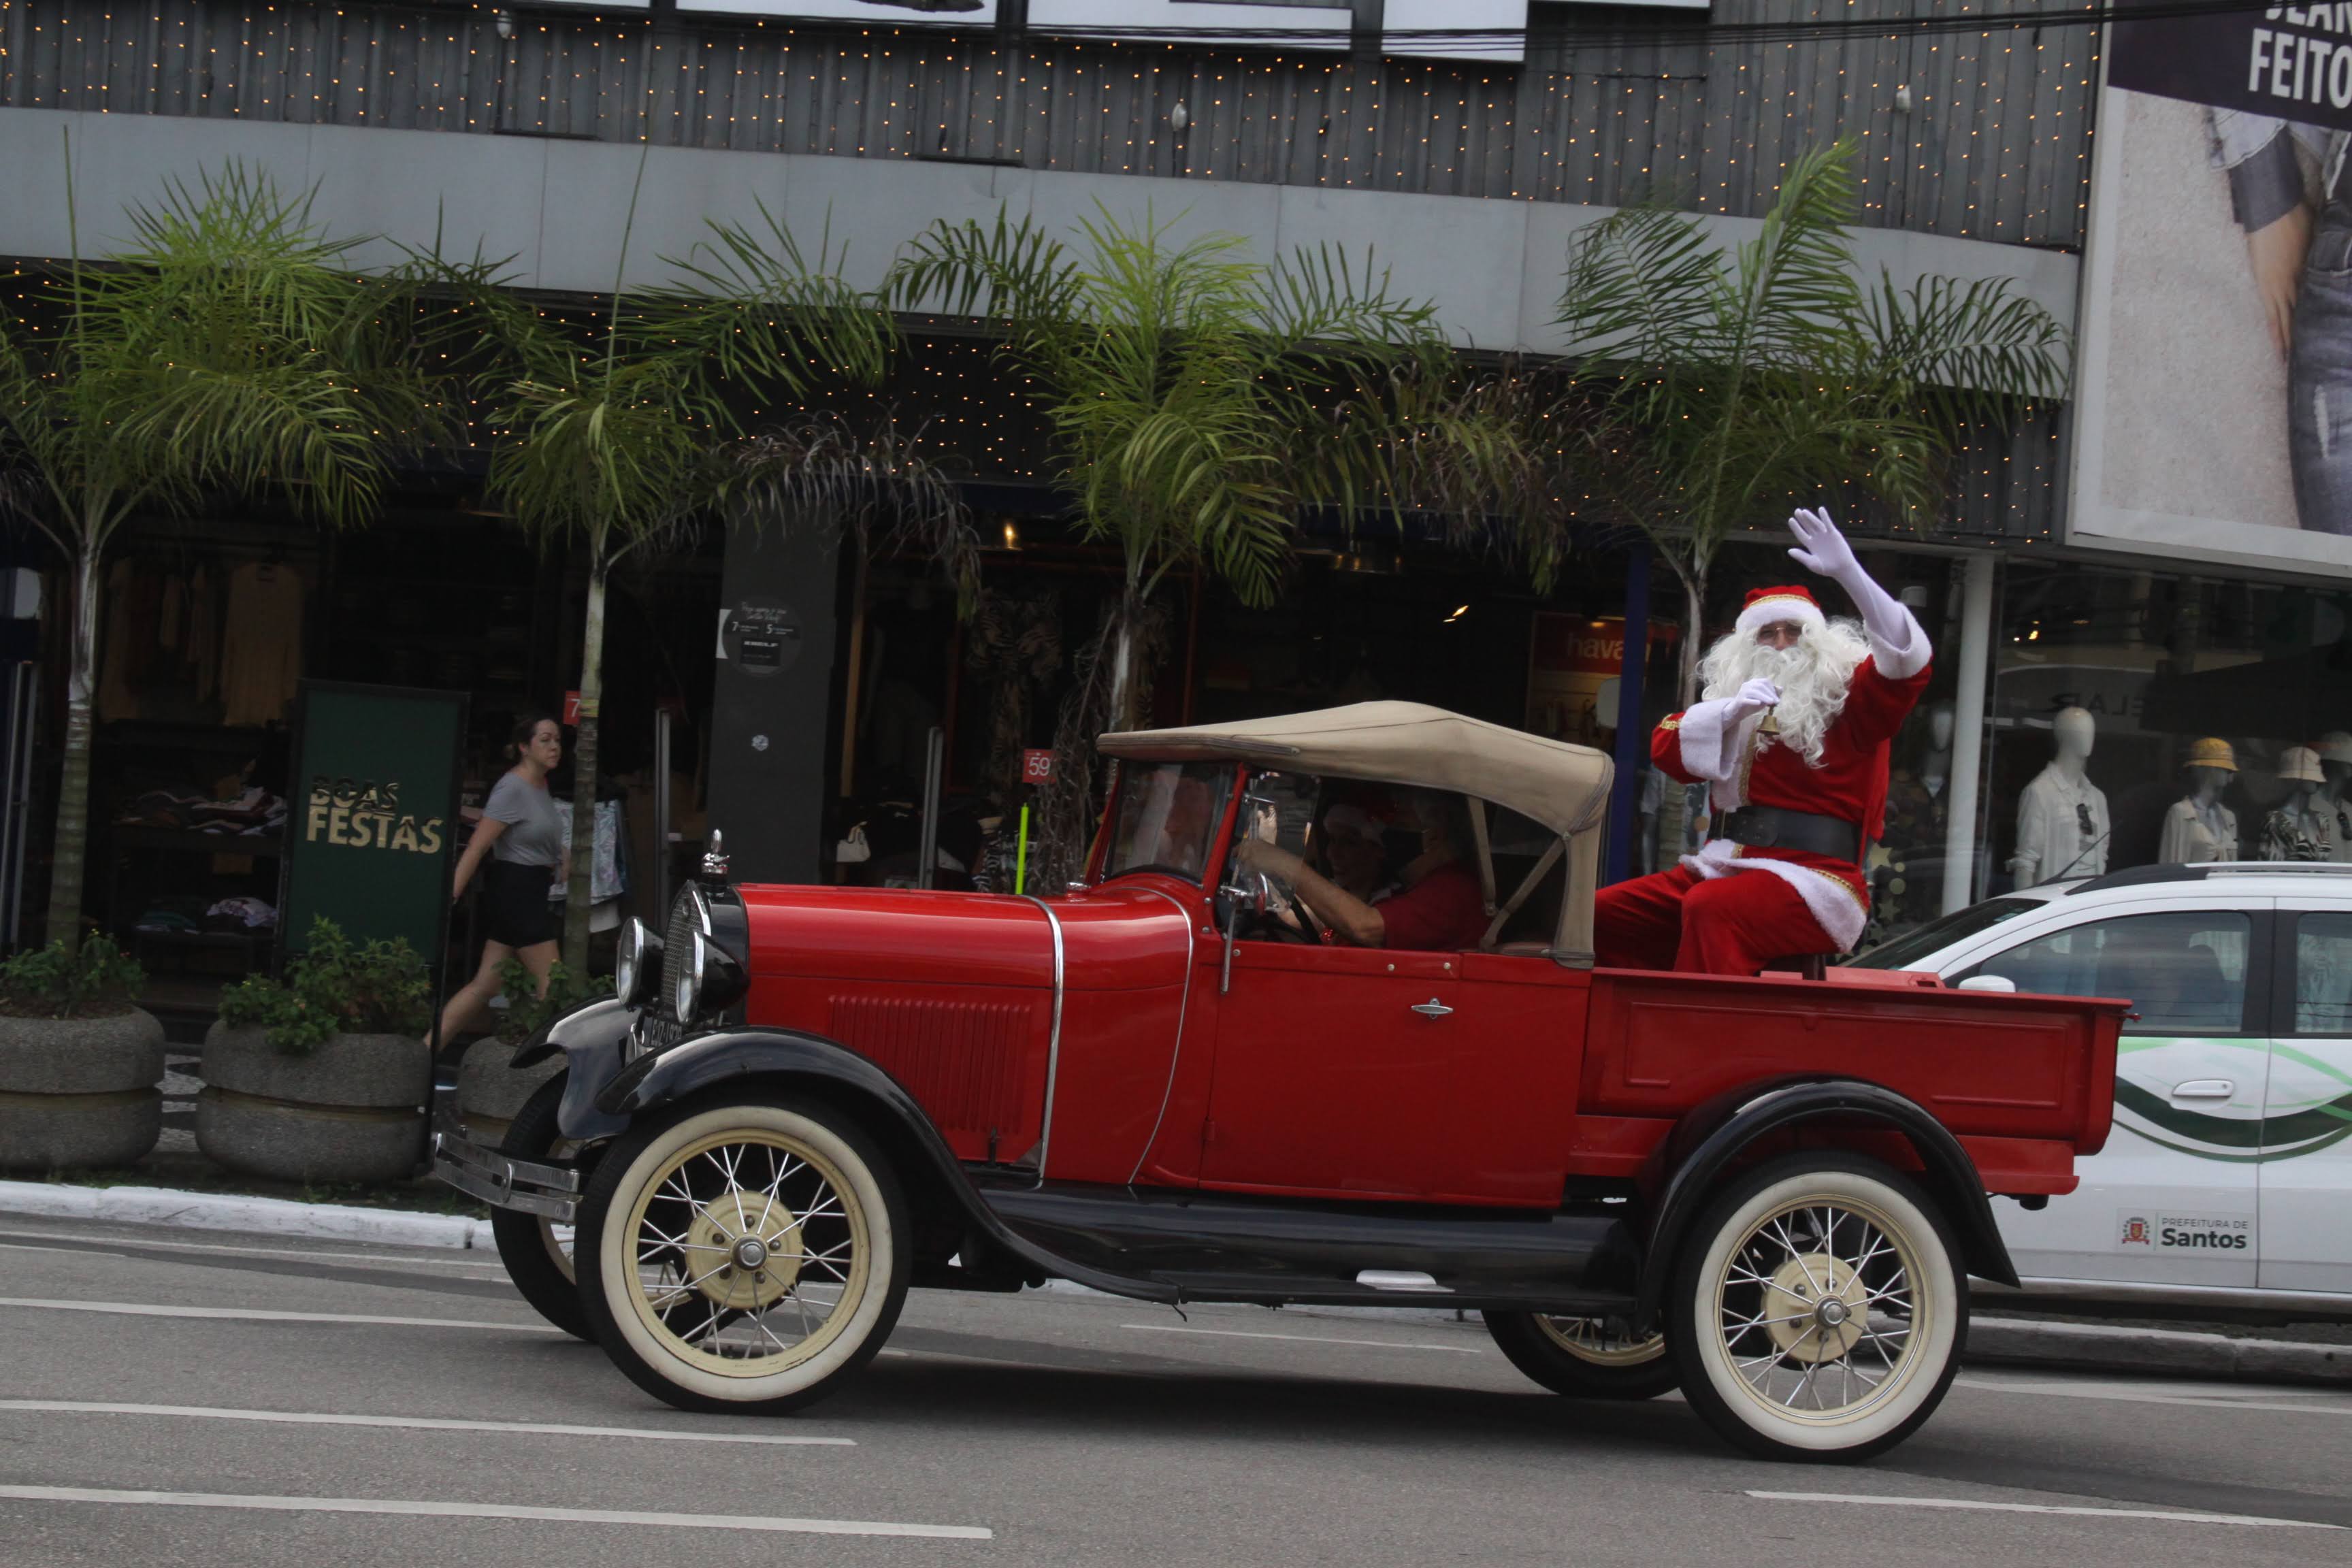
x=773 y=700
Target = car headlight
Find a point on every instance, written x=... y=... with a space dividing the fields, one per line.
x=637 y=964
x=709 y=981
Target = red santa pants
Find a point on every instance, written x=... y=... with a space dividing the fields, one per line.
x=1679 y=919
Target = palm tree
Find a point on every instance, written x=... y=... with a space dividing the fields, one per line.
x=227 y=350
x=614 y=435
x=1735 y=386
x=1188 y=392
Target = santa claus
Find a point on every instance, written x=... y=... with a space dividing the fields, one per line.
x=1790 y=737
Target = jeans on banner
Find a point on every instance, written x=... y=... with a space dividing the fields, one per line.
x=2319 y=378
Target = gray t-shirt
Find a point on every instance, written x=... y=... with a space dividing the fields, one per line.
x=534 y=834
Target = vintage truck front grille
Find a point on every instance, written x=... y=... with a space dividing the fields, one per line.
x=686 y=918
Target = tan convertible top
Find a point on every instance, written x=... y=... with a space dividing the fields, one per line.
x=1560 y=786
x=1564 y=787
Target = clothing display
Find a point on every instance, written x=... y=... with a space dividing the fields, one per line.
x=261 y=648
x=2296 y=834
x=2298 y=828
x=2063 y=829
x=2197 y=834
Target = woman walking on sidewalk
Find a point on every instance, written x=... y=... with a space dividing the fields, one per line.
x=521 y=835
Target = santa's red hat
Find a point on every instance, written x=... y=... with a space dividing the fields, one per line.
x=1766 y=605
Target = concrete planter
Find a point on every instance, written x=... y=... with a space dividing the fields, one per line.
x=489 y=1091
x=352 y=1110
x=77 y=1093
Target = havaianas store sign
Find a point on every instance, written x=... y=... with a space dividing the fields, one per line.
x=377 y=769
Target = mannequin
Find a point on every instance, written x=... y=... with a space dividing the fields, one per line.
x=2334 y=799
x=1936 y=766
x=2298 y=829
x=2198 y=828
x=2063 y=829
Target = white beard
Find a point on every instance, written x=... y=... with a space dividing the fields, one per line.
x=1813 y=677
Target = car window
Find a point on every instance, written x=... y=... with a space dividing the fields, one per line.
x=2322 y=975
x=2183 y=971
x=1938 y=935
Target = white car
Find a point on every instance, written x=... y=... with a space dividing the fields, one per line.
x=2230 y=1169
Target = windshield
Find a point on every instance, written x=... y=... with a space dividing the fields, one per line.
x=1938 y=935
x=1166 y=817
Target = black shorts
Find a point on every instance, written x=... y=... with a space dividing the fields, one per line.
x=515 y=909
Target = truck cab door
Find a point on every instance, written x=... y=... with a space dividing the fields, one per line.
x=2172 y=1197
x=1330 y=1064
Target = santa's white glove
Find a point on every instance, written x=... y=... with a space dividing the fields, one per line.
x=1821 y=548
x=1897 y=643
x=1752 y=698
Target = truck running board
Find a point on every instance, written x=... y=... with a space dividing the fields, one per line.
x=1223 y=1246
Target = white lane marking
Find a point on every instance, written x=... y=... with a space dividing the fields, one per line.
x=1974 y=1505
x=1305 y=1338
x=438 y=1509
x=264 y=1315
x=416 y=1423
x=2264 y=1399
x=421 y=1258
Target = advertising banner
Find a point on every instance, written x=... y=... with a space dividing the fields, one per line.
x=1573 y=665
x=2213 y=416
x=373 y=817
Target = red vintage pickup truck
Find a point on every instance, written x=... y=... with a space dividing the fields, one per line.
x=1172 y=1081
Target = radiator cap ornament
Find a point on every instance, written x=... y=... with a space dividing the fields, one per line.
x=714 y=859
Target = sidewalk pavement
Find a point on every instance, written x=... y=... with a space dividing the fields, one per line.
x=1993 y=1340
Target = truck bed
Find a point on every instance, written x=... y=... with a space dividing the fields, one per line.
x=2026 y=1082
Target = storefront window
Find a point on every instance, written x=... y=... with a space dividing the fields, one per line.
x=2143 y=719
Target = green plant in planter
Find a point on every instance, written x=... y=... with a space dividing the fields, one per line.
x=528 y=1013
x=338 y=987
x=96 y=980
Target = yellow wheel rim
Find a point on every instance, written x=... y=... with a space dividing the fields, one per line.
x=751 y=1253
x=1600 y=1342
x=1821 y=1312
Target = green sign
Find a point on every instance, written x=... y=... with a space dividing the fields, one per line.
x=372 y=836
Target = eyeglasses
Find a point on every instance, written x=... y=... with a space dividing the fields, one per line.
x=2083 y=818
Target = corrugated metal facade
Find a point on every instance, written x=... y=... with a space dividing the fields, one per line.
x=1612 y=106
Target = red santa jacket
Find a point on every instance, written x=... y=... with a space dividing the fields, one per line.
x=1696 y=747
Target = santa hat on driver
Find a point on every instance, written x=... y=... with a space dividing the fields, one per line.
x=1766 y=605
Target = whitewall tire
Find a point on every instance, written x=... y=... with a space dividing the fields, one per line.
x=1585 y=1358
x=747 y=1255
x=1818 y=1310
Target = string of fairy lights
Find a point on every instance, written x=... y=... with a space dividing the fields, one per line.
x=1994 y=143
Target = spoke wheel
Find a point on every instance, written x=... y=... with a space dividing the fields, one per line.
x=1818 y=1311
x=537 y=1252
x=1585 y=1358
x=743 y=1255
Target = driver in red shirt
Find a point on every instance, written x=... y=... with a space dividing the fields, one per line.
x=1439 y=907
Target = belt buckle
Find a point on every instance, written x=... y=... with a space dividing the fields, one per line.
x=1756 y=830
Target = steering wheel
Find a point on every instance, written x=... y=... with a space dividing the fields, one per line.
x=1282 y=917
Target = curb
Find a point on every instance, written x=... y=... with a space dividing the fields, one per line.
x=262 y=1216
x=2106 y=1347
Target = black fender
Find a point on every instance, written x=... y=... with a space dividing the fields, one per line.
x=1684 y=1171
x=754 y=1060
x=595 y=1038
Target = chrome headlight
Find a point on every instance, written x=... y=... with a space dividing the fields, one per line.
x=709 y=981
x=637 y=964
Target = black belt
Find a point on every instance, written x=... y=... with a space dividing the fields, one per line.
x=1770 y=827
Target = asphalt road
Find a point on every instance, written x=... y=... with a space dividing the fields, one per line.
x=405 y=1409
